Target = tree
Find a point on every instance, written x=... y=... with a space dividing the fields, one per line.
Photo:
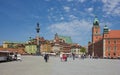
x=83 y=50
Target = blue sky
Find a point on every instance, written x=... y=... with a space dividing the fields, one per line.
x=73 y=18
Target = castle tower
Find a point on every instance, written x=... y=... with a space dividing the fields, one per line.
x=105 y=31
x=96 y=36
x=96 y=30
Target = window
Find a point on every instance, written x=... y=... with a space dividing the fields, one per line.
x=114 y=54
x=108 y=41
x=108 y=54
x=108 y=48
x=114 y=41
x=115 y=48
x=105 y=35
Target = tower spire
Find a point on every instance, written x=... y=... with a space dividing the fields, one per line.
x=106 y=29
x=96 y=21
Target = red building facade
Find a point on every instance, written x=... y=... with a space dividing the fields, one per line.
x=106 y=45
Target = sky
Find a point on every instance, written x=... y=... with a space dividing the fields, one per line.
x=74 y=18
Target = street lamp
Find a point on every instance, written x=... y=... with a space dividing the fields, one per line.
x=38 y=43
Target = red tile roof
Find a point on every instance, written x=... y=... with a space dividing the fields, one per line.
x=114 y=34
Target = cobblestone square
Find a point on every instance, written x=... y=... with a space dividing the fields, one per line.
x=35 y=65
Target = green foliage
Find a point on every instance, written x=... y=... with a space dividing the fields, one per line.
x=83 y=50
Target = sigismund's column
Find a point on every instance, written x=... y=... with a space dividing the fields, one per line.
x=38 y=41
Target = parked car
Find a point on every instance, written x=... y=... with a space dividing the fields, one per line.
x=19 y=57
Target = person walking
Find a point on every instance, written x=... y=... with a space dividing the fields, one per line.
x=73 y=55
x=64 y=57
x=46 y=57
x=79 y=56
x=61 y=56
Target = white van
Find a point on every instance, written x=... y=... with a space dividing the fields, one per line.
x=19 y=57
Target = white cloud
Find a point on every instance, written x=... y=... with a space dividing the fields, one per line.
x=62 y=18
x=72 y=17
x=51 y=9
x=103 y=23
x=111 y=7
x=92 y=14
x=69 y=0
x=117 y=11
x=81 y=1
x=66 y=8
x=90 y=9
x=35 y=16
x=74 y=9
x=79 y=30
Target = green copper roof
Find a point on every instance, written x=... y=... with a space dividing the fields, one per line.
x=14 y=42
x=96 y=21
x=67 y=39
x=106 y=29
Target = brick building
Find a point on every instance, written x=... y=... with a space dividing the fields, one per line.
x=31 y=47
x=61 y=44
x=106 y=45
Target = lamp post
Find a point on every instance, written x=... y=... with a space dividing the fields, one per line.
x=38 y=43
